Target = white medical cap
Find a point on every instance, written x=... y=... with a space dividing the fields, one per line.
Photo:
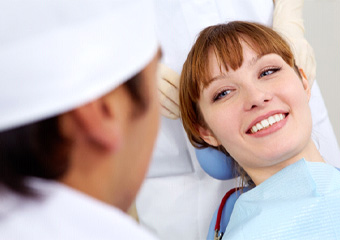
x=56 y=55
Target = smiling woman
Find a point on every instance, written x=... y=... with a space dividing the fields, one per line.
x=241 y=93
x=229 y=81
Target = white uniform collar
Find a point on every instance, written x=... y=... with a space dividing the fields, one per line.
x=63 y=213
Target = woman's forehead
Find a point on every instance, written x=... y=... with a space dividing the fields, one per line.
x=228 y=52
x=217 y=70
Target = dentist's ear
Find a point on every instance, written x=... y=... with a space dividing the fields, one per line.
x=98 y=124
x=305 y=82
x=208 y=136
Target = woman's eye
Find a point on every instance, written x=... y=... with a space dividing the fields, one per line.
x=221 y=95
x=269 y=72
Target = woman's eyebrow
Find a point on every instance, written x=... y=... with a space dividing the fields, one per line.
x=216 y=78
x=250 y=63
x=254 y=60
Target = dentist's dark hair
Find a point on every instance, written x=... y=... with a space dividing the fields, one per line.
x=40 y=150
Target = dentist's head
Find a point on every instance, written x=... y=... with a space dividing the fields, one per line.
x=78 y=95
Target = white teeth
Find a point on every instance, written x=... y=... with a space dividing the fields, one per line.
x=277 y=117
x=271 y=120
x=254 y=129
x=267 y=122
x=259 y=126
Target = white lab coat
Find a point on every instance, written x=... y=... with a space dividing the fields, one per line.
x=63 y=213
x=178 y=199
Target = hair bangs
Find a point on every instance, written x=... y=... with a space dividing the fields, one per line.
x=225 y=42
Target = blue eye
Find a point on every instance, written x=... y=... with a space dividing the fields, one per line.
x=269 y=71
x=221 y=95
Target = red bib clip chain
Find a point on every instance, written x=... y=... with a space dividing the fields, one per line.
x=218 y=233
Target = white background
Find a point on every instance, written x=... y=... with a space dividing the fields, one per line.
x=322 y=25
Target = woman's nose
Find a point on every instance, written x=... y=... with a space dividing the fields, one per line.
x=256 y=96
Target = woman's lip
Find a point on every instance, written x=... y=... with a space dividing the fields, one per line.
x=265 y=116
x=271 y=129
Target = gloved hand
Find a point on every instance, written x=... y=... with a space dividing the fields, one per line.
x=168 y=88
x=287 y=21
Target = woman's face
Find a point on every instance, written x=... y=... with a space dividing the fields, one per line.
x=259 y=112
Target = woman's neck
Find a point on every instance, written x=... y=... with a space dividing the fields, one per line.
x=310 y=153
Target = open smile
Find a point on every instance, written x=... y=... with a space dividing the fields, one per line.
x=266 y=123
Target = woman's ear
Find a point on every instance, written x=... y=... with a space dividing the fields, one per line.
x=305 y=83
x=208 y=136
x=97 y=125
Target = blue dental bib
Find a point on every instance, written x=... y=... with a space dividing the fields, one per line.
x=302 y=201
